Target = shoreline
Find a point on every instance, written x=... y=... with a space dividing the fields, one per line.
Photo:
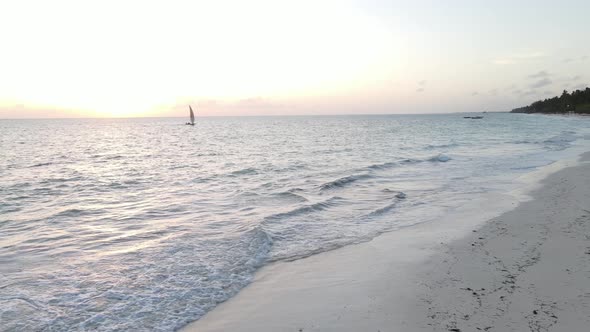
x=387 y=284
x=525 y=270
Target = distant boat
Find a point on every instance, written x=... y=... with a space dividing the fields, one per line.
x=473 y=117
x=192 y=115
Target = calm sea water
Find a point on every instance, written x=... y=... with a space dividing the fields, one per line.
x=146 y=224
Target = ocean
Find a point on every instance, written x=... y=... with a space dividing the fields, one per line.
x=147 y=224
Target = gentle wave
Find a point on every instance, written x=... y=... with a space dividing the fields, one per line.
x=341 y=182
x=437 y=158
x=291 y=196
x=144 y=225
x=561 y=141
x=383 y=165
x=42 y=164
x=245 y=171
x=440 y=158
x=441 y=146
x=387 y=208
x=316 y=207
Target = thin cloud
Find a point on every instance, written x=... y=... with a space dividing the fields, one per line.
x=504 y=61
x=251 y=105
x=512 y=87
x=474 y=93
x=493 y=92
x=528 y=93
x=568 y=79
x=541 y=83
x=516 y=58
x=540 y=74
x=530 y=55
x=421 y=85
x=256 y=102
x=581 y=59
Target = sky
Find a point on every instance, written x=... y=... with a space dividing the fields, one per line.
x=76 y=58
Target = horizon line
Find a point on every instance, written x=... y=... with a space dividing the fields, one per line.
x=244 y=116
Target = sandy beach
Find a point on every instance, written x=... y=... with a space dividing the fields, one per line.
x=504 y=263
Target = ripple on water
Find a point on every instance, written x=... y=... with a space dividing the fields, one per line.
x=145 y=225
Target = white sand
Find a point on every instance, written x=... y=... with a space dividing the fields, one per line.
x=526 y=270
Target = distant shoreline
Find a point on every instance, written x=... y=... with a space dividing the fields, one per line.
x=576 y=102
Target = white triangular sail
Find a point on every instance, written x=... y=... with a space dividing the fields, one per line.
x=192 y=115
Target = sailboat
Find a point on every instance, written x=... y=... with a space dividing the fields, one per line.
x=192 y=115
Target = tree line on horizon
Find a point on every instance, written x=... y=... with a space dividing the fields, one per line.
x=576 y=102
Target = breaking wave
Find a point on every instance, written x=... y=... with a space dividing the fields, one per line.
x=561 y=141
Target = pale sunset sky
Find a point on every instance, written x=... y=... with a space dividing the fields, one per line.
x=122 y=58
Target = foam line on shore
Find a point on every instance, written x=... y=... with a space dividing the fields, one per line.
x=388 y=284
